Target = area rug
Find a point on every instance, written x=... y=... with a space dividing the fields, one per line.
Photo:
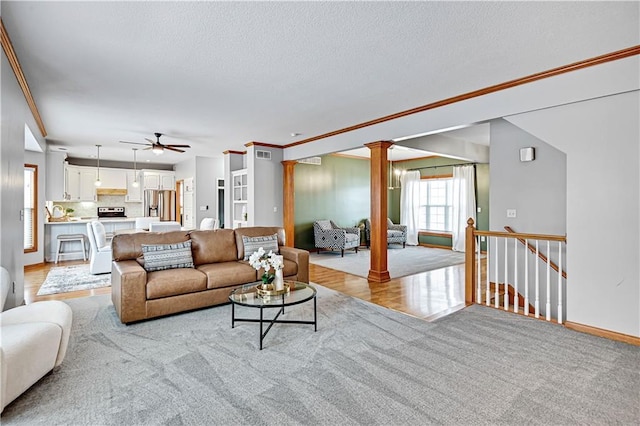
x=401 y=261
x=63 y=279
x=365 y=365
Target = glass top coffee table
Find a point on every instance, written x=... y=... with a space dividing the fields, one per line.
x=247 y=295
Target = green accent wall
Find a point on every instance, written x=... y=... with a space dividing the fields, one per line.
x=482 y=194
x=339 y=190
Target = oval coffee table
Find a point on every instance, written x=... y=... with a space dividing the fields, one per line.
x=247 y=296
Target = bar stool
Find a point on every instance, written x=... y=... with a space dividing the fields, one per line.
x=67 y=238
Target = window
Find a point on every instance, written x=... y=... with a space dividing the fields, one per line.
x=30 y=218
x=436 y=199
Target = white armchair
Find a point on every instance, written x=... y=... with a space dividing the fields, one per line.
x=165 y=226
x=209 y=223
x=33 y=340
x=143 y=223
x=100 y=260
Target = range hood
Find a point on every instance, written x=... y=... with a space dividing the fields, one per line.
x=111 y=191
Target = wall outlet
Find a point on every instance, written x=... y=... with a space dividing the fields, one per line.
x=479 y=209
x=275 y=209
x=511 y=212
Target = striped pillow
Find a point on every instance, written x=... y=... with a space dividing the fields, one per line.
x=158 y=257
x=252 y=244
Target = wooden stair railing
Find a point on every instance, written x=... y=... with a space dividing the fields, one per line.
x=499 y=290
x=532 y=249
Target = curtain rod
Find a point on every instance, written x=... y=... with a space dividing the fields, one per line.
x=444 y=165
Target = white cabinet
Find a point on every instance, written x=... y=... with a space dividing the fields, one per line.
x=239 y=191
x=55 y=176
x=80 y=183
x=188 y=216
x=155 y=179
x=113 y=178
x=134 y=194
x=168 y=181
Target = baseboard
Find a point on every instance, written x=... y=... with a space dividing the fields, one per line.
x=612 y=335
x=435 y=246
x=34 y=266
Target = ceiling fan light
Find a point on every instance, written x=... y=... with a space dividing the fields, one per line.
x=157 y=150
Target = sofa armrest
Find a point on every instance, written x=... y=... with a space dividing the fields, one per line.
x=301 y=258
x=129 y=290
x=354 y=230
x=401 y=228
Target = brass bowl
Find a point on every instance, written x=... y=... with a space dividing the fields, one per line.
x=269 y=290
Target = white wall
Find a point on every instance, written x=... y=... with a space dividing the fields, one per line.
x=537 y=190
x=232 y=162
x=265 y=187
x=38 y=158
x=601 y=138
x=15 y=113
x=208 y=171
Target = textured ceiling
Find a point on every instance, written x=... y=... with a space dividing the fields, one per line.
x=220 y=74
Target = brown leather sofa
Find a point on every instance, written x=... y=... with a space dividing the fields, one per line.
x=219 y=268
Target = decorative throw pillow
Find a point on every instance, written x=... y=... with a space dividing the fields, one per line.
x=158 y=257
x=252 y=244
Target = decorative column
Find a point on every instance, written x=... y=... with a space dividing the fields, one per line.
x=379 y=180
x=288 y=200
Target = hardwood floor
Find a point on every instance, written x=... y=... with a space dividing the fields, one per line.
x=428 y=295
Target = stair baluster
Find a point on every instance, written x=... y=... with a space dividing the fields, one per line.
x=537 y=302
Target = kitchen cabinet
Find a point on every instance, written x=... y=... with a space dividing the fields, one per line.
x=113 y=178
x=156 y=179
x=134 y=194
x=55 y=176
x=80 y=183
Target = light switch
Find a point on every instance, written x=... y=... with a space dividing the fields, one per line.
x=511 y=212
x=275 y=209
x=479 y=209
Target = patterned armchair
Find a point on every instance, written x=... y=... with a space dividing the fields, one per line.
x=328 y=235
x=395 y=233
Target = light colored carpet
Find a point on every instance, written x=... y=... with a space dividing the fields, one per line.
x=364 y=365
x=63 y=279
x=401 y=261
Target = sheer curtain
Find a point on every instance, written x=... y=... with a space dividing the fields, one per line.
x=464 y=203
x=410 y=205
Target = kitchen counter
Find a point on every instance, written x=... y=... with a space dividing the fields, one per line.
x=87 y=220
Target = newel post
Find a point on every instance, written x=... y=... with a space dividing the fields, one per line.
x=470 y=264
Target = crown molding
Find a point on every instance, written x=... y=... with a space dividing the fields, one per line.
x=597 y=60
x=22 y=81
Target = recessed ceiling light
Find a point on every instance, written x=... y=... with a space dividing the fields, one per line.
x=294 y=134
x=92 y=156
x=148 y=161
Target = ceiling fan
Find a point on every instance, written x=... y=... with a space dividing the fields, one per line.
x=157 y=147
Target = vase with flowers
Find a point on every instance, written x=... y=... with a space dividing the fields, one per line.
x=267 y=261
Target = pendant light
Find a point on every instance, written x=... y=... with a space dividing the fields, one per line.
x=98 y=182
x=135 y=183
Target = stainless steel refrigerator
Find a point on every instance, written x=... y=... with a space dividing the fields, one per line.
x=160 y=203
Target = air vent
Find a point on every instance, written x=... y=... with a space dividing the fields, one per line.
x=263 y=155
x=316 y=161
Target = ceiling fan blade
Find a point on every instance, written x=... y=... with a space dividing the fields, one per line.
x=146 y=149
x=179 y=146
x=173 y=149
x=149 y=140
x=134 y=143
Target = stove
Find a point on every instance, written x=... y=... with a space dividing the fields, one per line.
x=111 y=212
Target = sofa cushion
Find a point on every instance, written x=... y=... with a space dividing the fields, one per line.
x=129 y=246
x=290 y=268
x=209 y=246
x=257 y=231
x=253 y=244
x=174 y=282
x=158 y=257
x=226 y=274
